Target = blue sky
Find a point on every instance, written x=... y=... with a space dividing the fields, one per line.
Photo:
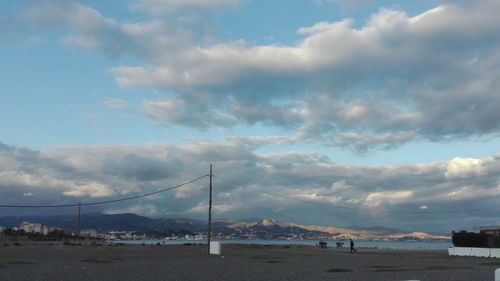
x=313 y=88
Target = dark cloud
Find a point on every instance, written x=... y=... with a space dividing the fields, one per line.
x=139 y=167
x=287 y=186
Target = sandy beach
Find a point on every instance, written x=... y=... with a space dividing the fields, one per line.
x=238 y=262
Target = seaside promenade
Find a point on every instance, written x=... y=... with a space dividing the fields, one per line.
x=237 y=262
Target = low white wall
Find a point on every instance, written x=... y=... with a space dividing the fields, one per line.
x=474 y=252
x=495 y=253
x=481 y=252
x=462 y=251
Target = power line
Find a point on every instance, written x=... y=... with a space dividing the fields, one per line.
x=229 y=181
x=106 y=201
x=421 y=212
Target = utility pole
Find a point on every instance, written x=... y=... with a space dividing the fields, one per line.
x=77 y=230
x=210 y=211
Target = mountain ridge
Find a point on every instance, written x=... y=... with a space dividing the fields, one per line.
x=263 y=228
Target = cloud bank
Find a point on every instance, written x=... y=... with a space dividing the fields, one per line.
x=393 y=80
x=396 y=79
x=286 y=186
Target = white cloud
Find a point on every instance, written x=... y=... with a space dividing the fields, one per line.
x=116 y=103
x=395 y=80
x=190 y=191
x=355 y=112
x=331 y=50
x=94 y=31
x=224 y=209
x=90 y=189
x=45 y=178
x=347 y=5
x=314 y=197
x=178 y=111
x=142 y=210
x=464 y=168
x=159 y=7
x=376 y=199
x=200 y=208
x=339 y=186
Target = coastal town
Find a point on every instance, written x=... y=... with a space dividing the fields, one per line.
x=262 y=230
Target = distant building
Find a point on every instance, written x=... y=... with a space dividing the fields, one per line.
x=89 y=233
x=37 y=228
x=29 y=227
x=490 y=229
x=46 y=229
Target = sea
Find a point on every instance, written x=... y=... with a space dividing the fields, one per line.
x=399 y=245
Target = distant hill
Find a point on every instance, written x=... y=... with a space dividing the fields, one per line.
x=377 y=229
x=97 y=221
x=253 y=227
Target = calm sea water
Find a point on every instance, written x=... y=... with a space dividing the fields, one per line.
x=402 y=245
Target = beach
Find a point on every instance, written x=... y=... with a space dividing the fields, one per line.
x=237 y=262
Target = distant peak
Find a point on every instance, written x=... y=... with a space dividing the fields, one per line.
x=268 y=222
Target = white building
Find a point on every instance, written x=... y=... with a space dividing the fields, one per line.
x=29 y=227
x=37 y=228
x=89 y=233
x=46 y=229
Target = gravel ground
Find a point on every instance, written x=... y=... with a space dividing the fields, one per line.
x=238 y=262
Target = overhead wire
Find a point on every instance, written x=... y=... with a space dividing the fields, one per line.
x=106 y=201
x=242 y=186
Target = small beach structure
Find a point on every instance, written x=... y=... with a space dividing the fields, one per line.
x=215 y=247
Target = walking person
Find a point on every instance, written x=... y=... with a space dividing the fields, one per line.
x=353 y=250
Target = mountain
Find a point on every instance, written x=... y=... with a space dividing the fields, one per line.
x=97 y=221
x=271 y=229
x=245 y=229
x=376 y=229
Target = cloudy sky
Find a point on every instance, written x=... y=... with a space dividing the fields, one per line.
x=327 y=112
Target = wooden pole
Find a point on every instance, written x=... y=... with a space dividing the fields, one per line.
x=77 y=230
x=210 y=212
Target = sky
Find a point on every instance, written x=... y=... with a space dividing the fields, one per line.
x=319 y=112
